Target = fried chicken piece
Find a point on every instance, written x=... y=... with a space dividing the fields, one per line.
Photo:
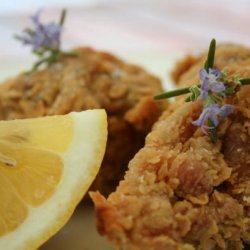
x=235 y=60
x=182 y=192
x=90 y=80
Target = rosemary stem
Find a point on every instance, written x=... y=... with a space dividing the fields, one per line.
x=70 y=54
x=172 y=93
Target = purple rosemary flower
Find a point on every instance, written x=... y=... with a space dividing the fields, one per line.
x=42 y=36
x=212 y=113
x=210 y=82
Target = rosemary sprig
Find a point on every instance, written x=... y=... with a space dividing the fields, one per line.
x=215 y=85
x=45 y=40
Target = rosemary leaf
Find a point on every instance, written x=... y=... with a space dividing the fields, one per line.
x=63 y=16
x=210 y=56
x=245 y=81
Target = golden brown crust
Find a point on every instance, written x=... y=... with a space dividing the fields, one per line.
x=181 y=191
x=183 y=66
x=92 y=79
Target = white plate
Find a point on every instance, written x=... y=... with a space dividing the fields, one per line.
x=79 y=233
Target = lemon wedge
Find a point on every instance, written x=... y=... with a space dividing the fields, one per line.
x=46 y=166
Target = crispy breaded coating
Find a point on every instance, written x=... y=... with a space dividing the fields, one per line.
x=182 y=192
x=91 y=80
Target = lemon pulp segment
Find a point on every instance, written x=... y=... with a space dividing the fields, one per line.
x=30 y=167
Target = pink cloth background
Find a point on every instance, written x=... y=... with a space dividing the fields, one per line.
x=156 y=28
